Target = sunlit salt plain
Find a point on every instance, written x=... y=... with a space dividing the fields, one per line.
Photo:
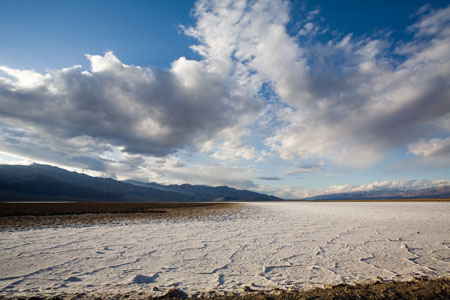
x=263 y=246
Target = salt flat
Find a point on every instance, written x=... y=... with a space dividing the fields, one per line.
x=264 y=246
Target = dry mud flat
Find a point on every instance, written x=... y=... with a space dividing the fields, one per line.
x=256 y=248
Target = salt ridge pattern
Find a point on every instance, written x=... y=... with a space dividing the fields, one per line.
x=263 y=246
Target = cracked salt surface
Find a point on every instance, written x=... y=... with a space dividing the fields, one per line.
x=264 y=246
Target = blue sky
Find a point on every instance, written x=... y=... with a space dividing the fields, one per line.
x=60 y=33
x=291 y=98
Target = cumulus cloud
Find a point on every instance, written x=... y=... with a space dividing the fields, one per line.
x=142 y=110
x=347 y=100
x=228 y=146
x=386 y=185
x=431 y=148
x=357 y=111
x=236 y=37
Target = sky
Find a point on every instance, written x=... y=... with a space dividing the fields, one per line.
x=291 y=98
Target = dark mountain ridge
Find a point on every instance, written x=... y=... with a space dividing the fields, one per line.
x=218 y=192
x=47 y=183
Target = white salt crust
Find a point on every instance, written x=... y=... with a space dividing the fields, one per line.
x=263 y=246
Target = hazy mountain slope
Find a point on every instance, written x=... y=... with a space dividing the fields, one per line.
x=435 y=192
x=211 y=192
x=224 y=192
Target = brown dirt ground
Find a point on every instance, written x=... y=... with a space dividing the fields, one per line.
x=415 y=289
x=26 y=215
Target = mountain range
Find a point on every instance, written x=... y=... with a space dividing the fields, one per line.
x=38 y=182
x=434 y=192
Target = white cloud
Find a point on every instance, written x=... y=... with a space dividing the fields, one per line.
x=432 y=23
x=385 y=185
x=350 y=101
x=228 y=146
x=432 y=148
x=294 y=192
x=212 y=174
x=24 y=78
x=288 y=192
x=142 y=110
x=238 y=38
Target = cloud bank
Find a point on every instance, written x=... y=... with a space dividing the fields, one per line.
x=387 y=185
x=259 y=92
